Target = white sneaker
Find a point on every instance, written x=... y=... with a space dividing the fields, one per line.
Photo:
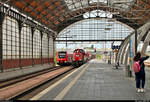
x=138 y=90
x=142 y=90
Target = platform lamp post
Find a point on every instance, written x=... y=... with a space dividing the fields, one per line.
x=66 y=41
x=112 y=50
x=69 y=37
x=66 y=37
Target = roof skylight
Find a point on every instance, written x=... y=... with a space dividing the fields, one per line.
x=79 y=4
x=98 y=1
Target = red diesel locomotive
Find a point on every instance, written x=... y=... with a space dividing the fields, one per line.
x=64 y=58
x=79 y=57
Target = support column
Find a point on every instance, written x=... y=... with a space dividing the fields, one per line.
x=41 y=46
x=20 y=27
x=1 y=41
x=48 y=50
x=54 y=51
x=110 y=58
x=135 y=41
x=32 y=32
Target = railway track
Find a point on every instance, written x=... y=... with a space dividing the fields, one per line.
x=15 y=87
x=14 y=80
x=28 y=95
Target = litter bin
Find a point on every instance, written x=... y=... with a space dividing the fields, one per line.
x=128 y=71
x=109 y=62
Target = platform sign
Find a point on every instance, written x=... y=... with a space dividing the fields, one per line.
x=130 y=47
x=118 y=47
x=105 y=52
x=115 y=47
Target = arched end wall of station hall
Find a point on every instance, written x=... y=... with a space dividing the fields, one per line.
x=88 y=19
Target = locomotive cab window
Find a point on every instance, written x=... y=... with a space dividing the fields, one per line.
x=62 y=54
x=82 y=51
x=76 y=51
x=79 y=51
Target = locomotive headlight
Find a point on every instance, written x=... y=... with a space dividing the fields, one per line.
x=77 y=55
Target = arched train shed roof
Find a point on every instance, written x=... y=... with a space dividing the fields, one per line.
x=58 y=14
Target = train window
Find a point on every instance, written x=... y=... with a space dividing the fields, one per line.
x=76 y=51
x=82 y=51
x=79 y=51
x=62 y=54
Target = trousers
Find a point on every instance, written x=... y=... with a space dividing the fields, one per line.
x=140 y=78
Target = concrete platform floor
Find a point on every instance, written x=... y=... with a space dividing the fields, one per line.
x=16 y=72
x=96 y=80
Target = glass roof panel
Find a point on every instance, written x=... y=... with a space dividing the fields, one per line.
x=97 y=1
x=93 y=29
x=78 y=4
x=122 y=4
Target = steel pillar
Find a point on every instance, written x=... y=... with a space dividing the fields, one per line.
x=41 y=46
x=136 y=41
x=48 y=51
x=20 y=28
x=1 y=41
x=32 y=32
x=54 y=50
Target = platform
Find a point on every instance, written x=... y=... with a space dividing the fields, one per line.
x=95 y=81
x=16 y=72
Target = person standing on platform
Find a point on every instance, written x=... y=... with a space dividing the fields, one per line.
x=140 y=75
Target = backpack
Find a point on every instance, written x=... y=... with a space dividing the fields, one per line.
x=136 y=66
